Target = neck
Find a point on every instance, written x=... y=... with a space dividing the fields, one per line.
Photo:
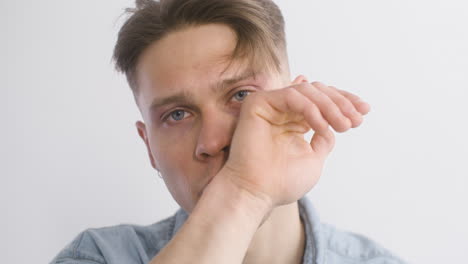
x=280 y=239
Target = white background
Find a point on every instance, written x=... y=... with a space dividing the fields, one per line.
x=71 y=158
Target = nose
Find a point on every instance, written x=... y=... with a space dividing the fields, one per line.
x=215 y=135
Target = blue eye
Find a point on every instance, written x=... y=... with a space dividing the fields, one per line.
x=240 y=96
x=177 y=115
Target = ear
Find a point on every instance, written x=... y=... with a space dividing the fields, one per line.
x=300 y=79
x=141 y=128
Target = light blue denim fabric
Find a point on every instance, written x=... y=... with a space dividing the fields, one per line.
x=133 y=244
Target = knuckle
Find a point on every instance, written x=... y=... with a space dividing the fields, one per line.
x=319 y=123
x=342 y=124
x=318 y=84
x=290 y=93
x=347 y=108
x=323 y=125
x=336 y=114
x=345 y=105
x=333 y=88
x=301 y=86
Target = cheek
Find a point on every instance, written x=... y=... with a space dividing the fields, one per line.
x=171 y=146
x=173 y=154
x=179 y=188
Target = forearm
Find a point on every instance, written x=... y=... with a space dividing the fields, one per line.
x=219 y=229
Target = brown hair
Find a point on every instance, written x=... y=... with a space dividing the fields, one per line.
x=258 y=24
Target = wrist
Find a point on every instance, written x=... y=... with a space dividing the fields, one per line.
x=226 y=191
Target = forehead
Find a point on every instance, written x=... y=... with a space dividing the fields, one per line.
x=183 y=58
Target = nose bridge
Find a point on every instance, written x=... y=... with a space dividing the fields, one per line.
x=215 y=132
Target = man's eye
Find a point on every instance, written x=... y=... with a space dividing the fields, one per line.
x=177 y=115
x=240 y=96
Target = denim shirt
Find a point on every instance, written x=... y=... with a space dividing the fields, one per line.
x=134 y=244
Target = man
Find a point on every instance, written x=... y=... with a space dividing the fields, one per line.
x=224 y=125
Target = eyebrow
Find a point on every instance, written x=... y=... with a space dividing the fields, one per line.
x=185 y=97
x=182 y=97
x=247 y=74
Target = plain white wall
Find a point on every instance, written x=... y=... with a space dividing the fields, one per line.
x=71 y=158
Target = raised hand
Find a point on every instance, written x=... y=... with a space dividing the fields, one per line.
x=269 y=156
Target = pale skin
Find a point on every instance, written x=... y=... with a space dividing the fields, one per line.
x=232 y=153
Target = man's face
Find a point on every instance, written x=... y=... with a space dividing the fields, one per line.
x=191 y=107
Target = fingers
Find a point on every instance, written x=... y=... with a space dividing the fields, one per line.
x=329 y=99
x=288 y=105
x=361 y=106
x=329 y=109
x=319 y=105
x=344 y=104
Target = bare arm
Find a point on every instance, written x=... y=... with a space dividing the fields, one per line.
x=219 y=229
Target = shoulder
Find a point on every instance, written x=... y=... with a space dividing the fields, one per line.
x=330 y=245
x=118 y=244
x=348 y=247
